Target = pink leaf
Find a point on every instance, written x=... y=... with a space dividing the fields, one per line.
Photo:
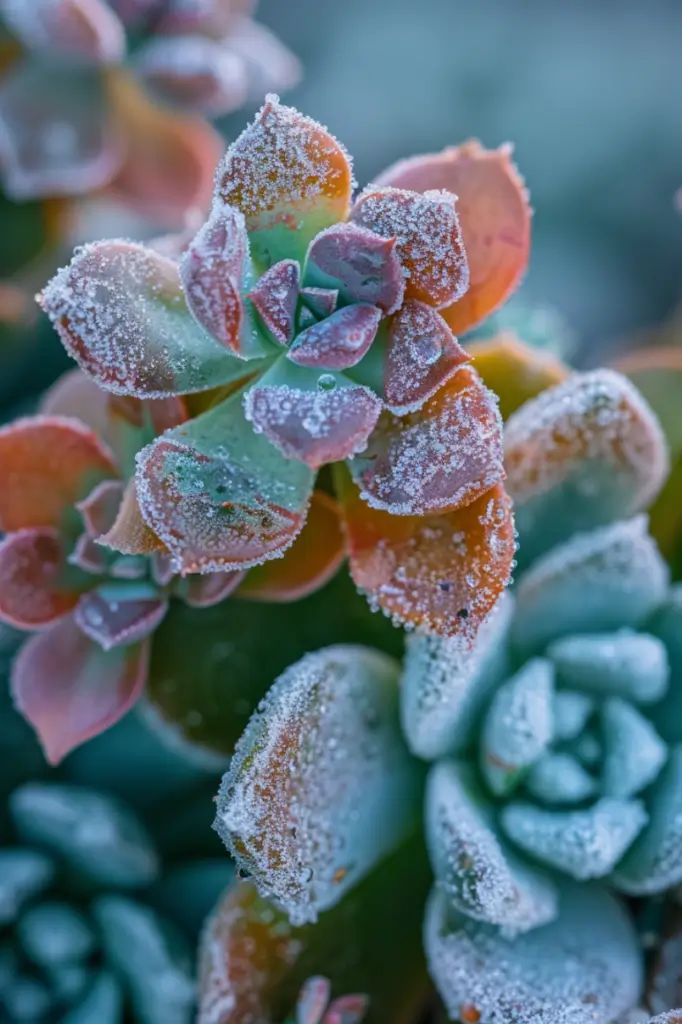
x=313 y=1000
x=114 y=621
x=422 y=355
x=347 y=1010
x=322 y=301
x=162 y=568
x=31 y=591
x=77 y=396
x=275 y=297
x=100 y=508
x=70 y=690
x=210 y=589
x=362 y=264
x=338 y=342
x=88 y=556
x=87 y=30
x=194 y=72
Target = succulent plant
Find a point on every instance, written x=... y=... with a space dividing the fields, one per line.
x=555 y=781
x=320 y=331
x=106 y=93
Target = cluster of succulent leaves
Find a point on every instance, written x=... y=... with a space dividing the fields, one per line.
x=108 y=93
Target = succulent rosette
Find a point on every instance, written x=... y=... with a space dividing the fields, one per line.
x=320 y=331
x=81 y=568
x=108 y=94
x=545 y=759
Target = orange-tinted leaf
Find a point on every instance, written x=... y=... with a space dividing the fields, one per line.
x=130 y=534
x=516 y=372
x=76 y=395
x=310 y=562
x=494 y=213
x=47 y=464
x=289 y=177
x=440 y=458
x=443 y=573
x=70 y=690
x=429 y=241
x=32 y=593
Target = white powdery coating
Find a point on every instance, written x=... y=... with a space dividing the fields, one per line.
x=320 y=786
x=422 y=355
x=596 y=416
x=584 y=844
x=583 y=968
x=571 y=711
x=625 y=664
x=478 y=876
x=560 y=779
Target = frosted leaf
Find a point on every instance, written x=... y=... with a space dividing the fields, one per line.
x=665 y=982
x=95 y=835
x=33 y=591
x=86 y=30
x=275 y=296
x=654 y=863
x=55 y=136
x=361 y=265
x=518 y=726
x=24 y=874
x=321 y=786
x=587 y=748
x=422 y=354
x=477 y=874
x=441 y=458
x=53 y=933
x=584 y=844
x=100 y=508
x=113 y=617
x=446 y=684
x=193 y=71
x=580 y=455
x=338 y=342
x=622 y=664
x=220 y=496
x=208 y=590
x=667 y=626
x=88 y=556
x=668 y=1017
x=289 y=177
x=583 y=968
x=429 y=241
x=321 y=301
x=130 y=534
x=571 y=711
x=326 y=422
x=558 y=779
x=611 y=577
x=634 y=753
x=121 y=313
x=313 y=1000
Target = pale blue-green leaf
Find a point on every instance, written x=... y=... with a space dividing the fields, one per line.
x=24 y=874
x=103 y=1003
x=667 y=626
x=54 y=933
x=623 y=664
x=587 y=748
x=27 y=999
x=571 y=711
x=634 y=753
x=558 y=779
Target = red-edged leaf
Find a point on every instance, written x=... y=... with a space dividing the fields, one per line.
x=193 y=71
x=70 y=690
x=440 y=458
x=429 y=242
x=130 y=534
x=87 y=30
x=494 y=213
x=109 y=618
x=100 y=508
x=275 y=296
x=321 y=301
x=310 y=562
x=47 y=464
x=88 y=556
x=422 y=355
x=338 y=342
x=289 y=177
x=442 y=574
x=361 y=264
x=32 y=589
x=208 y=590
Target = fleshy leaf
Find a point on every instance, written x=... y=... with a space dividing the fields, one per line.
x=113 y=618
x=609 y=578
x=494 y=213
x=312 y=417
x=275 y=296
x=622 y=664
x=338 y=342
x=428 y=240
x=518 y=726
x=100 y=508
x=571 y=710
x=580 y=455
x=54 y=933
x=559 y=779
x=477 y=874
x=515 y=371
x=439 y=459
x=47 y=464
x=120 y=311
x=664 y=988
x=130 y=534
x=310 y=562
x=654 y=863
x=80 y=30
x=289 y=177
x=88 y=556
x=320 y=301
x=94 y=834
x=321 y=786
x=210 y=589
x=103 y=1002
x=634 y=753
x=446 y=684
x=194 y=72
x=24 y=874
x=584 y=968
x=313 y=1000
x=441 y=573
x=33 y=591
x=218 y=495
x=76 y=396
x=360 y=264
x=421 y=355
x=70 y=690
x=584 y=844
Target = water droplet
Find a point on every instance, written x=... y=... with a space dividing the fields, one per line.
x=326 y=382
